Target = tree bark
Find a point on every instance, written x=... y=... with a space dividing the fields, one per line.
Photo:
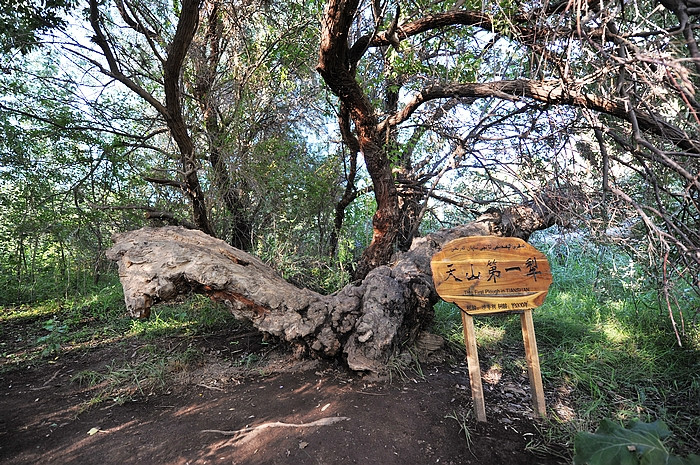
x=365 y=323
x=339 y=74
x=206 y=58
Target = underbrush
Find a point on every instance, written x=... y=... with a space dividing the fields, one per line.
x=32 y=335
x=31 y=332
x=607 y=350
x=99 y=312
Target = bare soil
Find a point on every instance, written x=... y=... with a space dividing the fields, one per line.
x=255 y=404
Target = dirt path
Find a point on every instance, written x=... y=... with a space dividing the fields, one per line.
x=280 y=412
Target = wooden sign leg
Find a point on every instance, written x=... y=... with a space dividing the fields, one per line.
x=474 y=370
x=533 y=363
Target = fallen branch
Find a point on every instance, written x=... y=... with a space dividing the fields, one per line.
x=364 y=323
x=213 y=388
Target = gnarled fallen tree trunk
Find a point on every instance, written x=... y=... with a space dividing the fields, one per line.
x=364 y=322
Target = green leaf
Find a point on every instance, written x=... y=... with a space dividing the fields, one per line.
x=612 y=444
x=657 y=428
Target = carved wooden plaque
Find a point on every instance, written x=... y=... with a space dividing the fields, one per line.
x=487 y=274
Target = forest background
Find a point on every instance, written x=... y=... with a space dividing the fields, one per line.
x=323 y=137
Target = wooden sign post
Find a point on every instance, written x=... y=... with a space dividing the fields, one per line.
x=485 y=275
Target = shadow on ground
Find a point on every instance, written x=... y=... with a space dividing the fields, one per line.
x=276 y=411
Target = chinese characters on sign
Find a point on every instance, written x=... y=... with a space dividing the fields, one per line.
x=491 y=275
x=494 y=273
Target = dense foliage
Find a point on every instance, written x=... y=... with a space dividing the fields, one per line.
x=23 y=21
x=212 y=115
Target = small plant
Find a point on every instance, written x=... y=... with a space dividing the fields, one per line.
x=122 y=382
x=462 y=420
x=87 y=378
x=404 y=365
x=53 y=338
x=246 y=361
x=641 y=443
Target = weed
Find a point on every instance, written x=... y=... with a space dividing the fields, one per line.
x=122 y=382
x=88 y=378
x=404 y=365
x=397 y=366
x=52 y=340
x=462 y=418
x=246 y=361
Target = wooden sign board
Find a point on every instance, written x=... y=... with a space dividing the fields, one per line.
x=487 y=274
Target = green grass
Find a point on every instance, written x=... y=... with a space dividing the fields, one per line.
x=45 y=329
x=149 y=371
x=100 y=311
x=42 y=332
x=197 y=314
x=607 y=350
x=462 y=419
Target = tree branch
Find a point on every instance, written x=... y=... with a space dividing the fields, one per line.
x=427 y=23
x=113 y=62
x=166 y=182
x=550 y=92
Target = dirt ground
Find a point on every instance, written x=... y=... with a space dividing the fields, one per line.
x=276 y=410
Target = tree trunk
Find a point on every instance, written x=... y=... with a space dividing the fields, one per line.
x=386 y=219
x=411 y=196
x=339 y=74
x=365 y=323
x=206 y=57
x=350 y=192
x=172 y=111
x=174 y=116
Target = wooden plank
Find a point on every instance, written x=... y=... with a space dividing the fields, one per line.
x=491 y=274
x=533 y=363
x=500 y=304
x=474 y=369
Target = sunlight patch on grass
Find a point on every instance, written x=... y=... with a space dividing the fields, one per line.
x=489 y=335
x=30 y=312
x=159 y=325
x=493 y=374
x=197 y=314
x=692 y=338
x=564 y=412
x=615 y=332
x=34 y=333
